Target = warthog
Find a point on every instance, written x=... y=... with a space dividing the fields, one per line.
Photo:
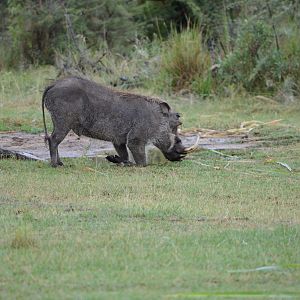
x=125 y=119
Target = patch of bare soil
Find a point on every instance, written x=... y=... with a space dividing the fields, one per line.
x=34 y=147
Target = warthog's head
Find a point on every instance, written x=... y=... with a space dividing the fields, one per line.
x=177 y=151
x=169 y=142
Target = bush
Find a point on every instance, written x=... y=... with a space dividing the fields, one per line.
x=243 y=66
x=290 y=49
x=35 y=31
x=258 y=65
x=185 y=62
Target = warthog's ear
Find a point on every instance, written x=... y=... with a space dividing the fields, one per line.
x=165 y=108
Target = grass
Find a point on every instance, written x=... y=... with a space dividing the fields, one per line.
x=197 y=229
x=22 y=239
x=20 y=98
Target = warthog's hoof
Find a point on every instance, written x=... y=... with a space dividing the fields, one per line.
x=117 y=160
x=57 y=164
x=114 y=159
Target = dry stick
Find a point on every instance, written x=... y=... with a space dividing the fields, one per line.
x=202 y=164
x=70 y=31
x=222 y=154
x=83 y=56
x=273 y=25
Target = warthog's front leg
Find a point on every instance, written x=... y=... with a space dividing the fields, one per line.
x=123 y=155
x=137 y=149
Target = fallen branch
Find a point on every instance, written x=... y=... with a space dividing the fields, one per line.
x=17 y=155
x=284 y=165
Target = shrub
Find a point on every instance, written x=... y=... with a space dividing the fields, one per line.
x=244 y=65
x=35 y=31
x=257 y=64
x=185 y=62
x=290 y=49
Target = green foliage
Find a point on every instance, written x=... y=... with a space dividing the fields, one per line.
x=104 y=23
x=34 y=32
x=290 y=49
x=257 y=64
x=160 y=17
x=245 y=63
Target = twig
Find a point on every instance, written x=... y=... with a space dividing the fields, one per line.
x=273 y=25
x=70 y=31
x=88 y=169
x=226 y=155
x=202 y=164
x=205 y=165
x=284 y=165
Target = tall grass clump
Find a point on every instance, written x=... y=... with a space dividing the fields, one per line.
x=23 y=238
x=185 y=62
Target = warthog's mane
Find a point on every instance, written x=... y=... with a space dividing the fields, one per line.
x=124 y=94
x=131 y=96
x=127 y=96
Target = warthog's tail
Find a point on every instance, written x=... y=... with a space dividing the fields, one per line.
x=43 y=109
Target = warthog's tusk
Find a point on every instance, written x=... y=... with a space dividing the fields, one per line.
x=194 y=147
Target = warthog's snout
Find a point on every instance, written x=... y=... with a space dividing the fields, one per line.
x=178 y=151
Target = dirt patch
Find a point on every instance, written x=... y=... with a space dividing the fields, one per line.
x=73 y=146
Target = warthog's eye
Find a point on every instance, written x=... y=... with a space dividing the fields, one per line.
x=174 y=121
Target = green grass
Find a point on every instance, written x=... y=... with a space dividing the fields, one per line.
x=20 y=98
x=148 y=232
x=193 y=229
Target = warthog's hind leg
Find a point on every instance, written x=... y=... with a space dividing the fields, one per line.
x=59 y=162
x=55 y=139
